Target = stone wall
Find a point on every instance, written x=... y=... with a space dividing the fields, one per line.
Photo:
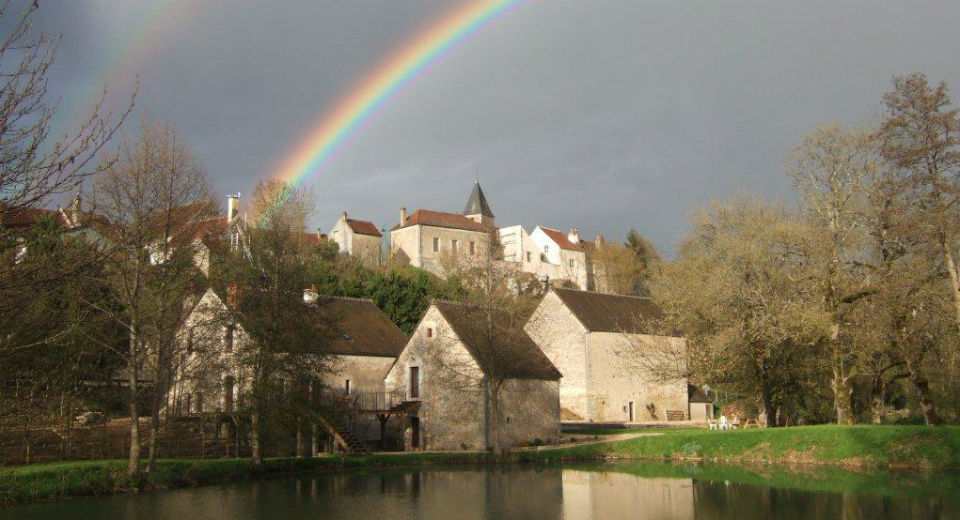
x=563 y=339
x=618 y=376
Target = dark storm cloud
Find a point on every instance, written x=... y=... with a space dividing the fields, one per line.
x=601 y=115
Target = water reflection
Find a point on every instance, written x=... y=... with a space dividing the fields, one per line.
x=646 y=491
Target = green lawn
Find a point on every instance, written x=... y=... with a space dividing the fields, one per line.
x=842 y=447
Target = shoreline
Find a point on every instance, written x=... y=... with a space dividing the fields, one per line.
x=854 y=449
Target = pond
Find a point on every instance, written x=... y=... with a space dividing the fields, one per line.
x=593 y=492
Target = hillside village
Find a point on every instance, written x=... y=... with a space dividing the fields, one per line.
x=431 y=390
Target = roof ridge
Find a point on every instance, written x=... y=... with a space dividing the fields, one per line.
x=603 y=293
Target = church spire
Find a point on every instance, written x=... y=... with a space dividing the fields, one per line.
x=477 y=203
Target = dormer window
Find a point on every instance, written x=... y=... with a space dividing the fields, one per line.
x=347 y=337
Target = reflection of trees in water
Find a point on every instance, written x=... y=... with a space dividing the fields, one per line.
x=716 y=500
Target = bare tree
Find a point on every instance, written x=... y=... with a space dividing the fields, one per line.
x=736 y=291
x=489 y=322
x=831 y=167
x=153 y=207
x=33 y=167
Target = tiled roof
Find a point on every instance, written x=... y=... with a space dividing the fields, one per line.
x=600 y=312
x=24 y=218
x=359 y=327
x=506 y=351
x=363 y=227
x=561 y=239
x=426 y=217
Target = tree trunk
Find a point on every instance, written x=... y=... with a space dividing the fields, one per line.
x=493 y=406
x=922 y=386
x=877 y=389
x=133 y=461
x=255 y=448
x=298 y=453
x=954 y=279
x=842 y=396
x=154 y=436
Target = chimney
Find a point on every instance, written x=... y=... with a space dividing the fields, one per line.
x=75 y=209
x=343 y=216
x=310 y=294
x=233 y=201
x=403 y=216
x=319 y=234
x=574 y=236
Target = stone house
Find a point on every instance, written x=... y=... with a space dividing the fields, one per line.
x=448 y=368
x=433 y=240
x=359 y=239
x=360 y=347
x=607 y=347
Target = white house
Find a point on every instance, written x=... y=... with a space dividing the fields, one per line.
x=609 y=350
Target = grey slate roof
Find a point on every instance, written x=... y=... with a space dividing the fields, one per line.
x=507 y=351
x=600 y=312
x=477 y=203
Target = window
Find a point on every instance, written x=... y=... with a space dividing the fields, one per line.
x=228 y=339
x=473 y=248
x=228 y=383
x=436 y=244
x=190 y=341
x=346 y=387
x=571 y=263
x=429 y=332
x=414 y=382
x=453 y=245
x=528 y=257
x=546 y=248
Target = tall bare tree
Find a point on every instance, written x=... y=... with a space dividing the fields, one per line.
x=832 y=167
x=153 y=207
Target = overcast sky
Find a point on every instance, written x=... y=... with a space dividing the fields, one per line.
x=600 y=115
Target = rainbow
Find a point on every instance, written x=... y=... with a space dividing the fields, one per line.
x=118 y=66
x=384 y=82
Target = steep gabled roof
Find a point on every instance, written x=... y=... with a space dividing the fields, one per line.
x=561 y=239
x=26 y=218
x=477 y=203
x=600 y=312
x=507 y=351
x=426 y=217
x=359 y=328
x=363 y=227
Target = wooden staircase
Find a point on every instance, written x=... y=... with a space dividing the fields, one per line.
x=344 y=436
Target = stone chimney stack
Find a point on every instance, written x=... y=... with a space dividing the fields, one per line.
x=403 y=216
x=343 y=216
x=233 y=206
x=574 y=236
x=75 y=209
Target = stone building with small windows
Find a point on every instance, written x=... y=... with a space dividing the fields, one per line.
x=438 y=242
x=446 y=369
x=610 y=350
x=359 y=239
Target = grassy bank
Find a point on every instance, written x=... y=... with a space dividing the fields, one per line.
x=850 y=447
x=872 y=447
